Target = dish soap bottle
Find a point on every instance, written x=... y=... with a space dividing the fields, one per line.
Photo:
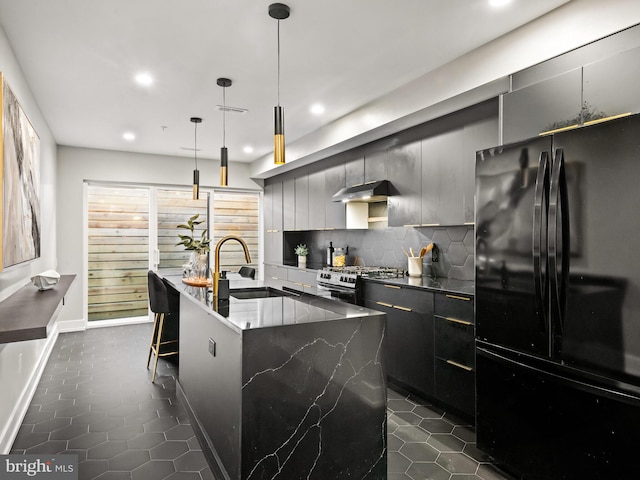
x=330 y=255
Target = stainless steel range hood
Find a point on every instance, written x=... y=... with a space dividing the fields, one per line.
x=377 y=191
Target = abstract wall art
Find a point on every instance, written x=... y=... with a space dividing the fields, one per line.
x=20 y=172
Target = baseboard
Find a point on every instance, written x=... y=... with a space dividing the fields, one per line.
x=81 y=324
x=9 y=433
x=65 y=326
x=208 y=450
x=118 y=322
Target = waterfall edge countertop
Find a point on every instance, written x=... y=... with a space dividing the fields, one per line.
x=251 y=313
x=283 y=385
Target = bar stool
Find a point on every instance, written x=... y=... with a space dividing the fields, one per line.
x=159 y=304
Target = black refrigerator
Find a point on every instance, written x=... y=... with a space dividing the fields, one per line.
x=558 y=303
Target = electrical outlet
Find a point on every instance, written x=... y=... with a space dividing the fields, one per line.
x=212 y=347
x=434 y=254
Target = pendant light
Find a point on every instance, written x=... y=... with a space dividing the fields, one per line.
x=279 y=11
x=224 y=159
x=196 y=172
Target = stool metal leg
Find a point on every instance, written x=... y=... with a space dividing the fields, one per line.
x=157 y=347
x=153 y=337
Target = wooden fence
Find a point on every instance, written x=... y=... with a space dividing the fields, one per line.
x=119 y=241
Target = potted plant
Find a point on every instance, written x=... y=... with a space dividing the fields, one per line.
x=200 y=247
x=302 y=251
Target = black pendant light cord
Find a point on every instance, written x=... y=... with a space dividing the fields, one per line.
x=224 y=113
x=278 y=62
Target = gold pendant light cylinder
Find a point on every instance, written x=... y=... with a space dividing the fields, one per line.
x=224 y=163
x=278 y=137
x=196 y=184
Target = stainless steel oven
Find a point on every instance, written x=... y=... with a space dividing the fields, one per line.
x=345 y=283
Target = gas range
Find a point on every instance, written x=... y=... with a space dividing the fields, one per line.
x=347 y=277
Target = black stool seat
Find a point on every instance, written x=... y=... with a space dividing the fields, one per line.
x=160 y=306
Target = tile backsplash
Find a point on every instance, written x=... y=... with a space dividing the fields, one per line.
x=383 y=247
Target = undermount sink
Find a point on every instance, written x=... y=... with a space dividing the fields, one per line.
x=256 y=292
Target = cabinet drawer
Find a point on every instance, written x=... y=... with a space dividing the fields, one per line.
x=454 y=341
x=455 y=386
x=275 y=272
x=456 y=306
x=304 y=278
x=407 y=299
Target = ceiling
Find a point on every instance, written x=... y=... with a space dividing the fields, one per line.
x=80 y=58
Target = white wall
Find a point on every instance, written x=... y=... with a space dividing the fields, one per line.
x=77 y=165
x=20 y=361
x=568 y=27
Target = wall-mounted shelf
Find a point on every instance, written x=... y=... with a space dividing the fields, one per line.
x=28 y=313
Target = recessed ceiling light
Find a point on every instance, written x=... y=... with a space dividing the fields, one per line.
x=129 y=136
x=248 y=149
x=498 y=3
x=317 y=109
x=144 y=79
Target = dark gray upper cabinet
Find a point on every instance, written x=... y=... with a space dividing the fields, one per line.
x=335 y=214
x=316 y=200
x=544 y=106
x=375 y=166
x=477 y=136
x=611 y=85
x=404 y=172
x=354 y=172
x=288 y=202
x=273 y=216
x=273 y=206
x=302 y=202
x=273 y=244
x=442 y=178
x=448 y=172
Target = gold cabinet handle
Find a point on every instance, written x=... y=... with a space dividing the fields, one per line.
x=388 y=305
x=459 y=365
x=392 y=286
x=457 y=297
x=455 y=320
x=305 y=285
x=404 y=309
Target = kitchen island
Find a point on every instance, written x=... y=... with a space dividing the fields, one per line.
x=283 y=386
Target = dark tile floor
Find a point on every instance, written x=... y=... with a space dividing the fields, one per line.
x=425 y=442
x=96 y=400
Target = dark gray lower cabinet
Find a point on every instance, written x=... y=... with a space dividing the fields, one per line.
x=455 y=352
x=455 y=386
x=430 y=342
x=409 y=334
